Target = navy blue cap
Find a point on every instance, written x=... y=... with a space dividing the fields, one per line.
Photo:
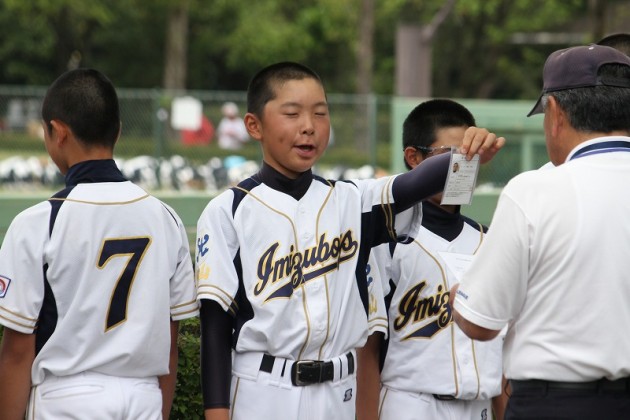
x=577 y=67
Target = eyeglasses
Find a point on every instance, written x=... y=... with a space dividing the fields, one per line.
x=429 y=150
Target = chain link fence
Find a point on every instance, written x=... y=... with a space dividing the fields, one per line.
x=158 y=156
x=161 y=158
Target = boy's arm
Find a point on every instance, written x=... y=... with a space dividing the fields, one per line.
x=16 y=360
x=168 y=382
x=216 y=360
x=369 y=378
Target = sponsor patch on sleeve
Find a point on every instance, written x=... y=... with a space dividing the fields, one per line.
x=4 y=285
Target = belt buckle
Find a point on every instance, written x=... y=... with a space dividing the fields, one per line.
x=296 y=372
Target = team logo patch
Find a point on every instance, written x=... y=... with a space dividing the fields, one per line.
x=4 y=285
x=202 y=248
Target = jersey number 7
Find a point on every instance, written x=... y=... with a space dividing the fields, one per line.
x=134 y=249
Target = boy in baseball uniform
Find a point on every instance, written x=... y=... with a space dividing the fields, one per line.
x=281 y=261
x=94 y=280
x=429 y=369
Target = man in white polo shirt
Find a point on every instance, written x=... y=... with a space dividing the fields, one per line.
x=555 y=265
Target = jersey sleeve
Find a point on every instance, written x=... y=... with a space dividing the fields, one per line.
x=22 y=271
x=377 y=200
x=494 y=287
x=217 y=246
x=183 y=294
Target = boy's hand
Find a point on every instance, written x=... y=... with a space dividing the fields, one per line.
x=481 y=141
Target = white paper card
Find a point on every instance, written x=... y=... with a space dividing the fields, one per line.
x=461 y=179
x=456 y=263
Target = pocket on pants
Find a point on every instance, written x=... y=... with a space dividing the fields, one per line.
x=70 y=391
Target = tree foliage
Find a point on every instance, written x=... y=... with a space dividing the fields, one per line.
x=473 y=52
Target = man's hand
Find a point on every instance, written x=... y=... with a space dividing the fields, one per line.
x=482 y=142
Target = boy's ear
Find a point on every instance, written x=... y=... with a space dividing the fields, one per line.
x=253 y=125
x=412 y=156
x=60 y=131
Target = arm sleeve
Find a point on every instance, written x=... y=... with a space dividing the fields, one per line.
x=421 y=182
x=216 y=355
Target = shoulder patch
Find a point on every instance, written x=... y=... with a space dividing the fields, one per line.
x=4 y=285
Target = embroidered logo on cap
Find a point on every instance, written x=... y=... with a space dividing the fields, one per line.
x=4 y=285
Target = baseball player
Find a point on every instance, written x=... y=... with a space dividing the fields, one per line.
x=281 y=262
x=95 y=278
x=430 y=368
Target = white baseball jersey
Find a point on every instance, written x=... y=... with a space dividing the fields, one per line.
x=554 y=268
x=293 y=271
x=97 y=272
x=426 y=351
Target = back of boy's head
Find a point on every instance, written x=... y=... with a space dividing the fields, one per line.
x=421 y=125
x=262 y=87
x=620 y=42
x=86 y=101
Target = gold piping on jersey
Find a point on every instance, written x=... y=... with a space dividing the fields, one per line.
x=183 y=304
x=480 y=238
x=476 y=368
x=178 y=314
x=220 y=297
x=319 y=214
x=99 y=203
x=472 y=342
x=31 y=404
x=226 y=296
x=386 y=207
x=273 y=210
x=382 y=403
x=30 y=327
x=33 y=320
x=321 y=348
x=238 y=381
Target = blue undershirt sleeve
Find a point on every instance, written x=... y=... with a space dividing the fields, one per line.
x=216 y=355
x=423 y=181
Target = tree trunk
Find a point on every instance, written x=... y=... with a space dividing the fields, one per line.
x=598 y=13
x=176 y=52
x=365 y=59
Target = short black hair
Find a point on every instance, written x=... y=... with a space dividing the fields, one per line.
x=620 y=42
x=421 y=125
x=85 y=100
x=262 y=87
x=601 y=109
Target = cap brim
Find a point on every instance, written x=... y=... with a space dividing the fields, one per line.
x=538 y=108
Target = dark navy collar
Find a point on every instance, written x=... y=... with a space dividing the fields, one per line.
x=296 y=188
x=91 y=171
x=442 y=223
x=602 y=147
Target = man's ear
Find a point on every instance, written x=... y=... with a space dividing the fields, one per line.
x=253 y=126
x=412 y=156
x=558 y=118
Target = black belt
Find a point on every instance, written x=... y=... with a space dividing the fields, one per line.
x=444 y=397
x=592 y=387
x=307 y=372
